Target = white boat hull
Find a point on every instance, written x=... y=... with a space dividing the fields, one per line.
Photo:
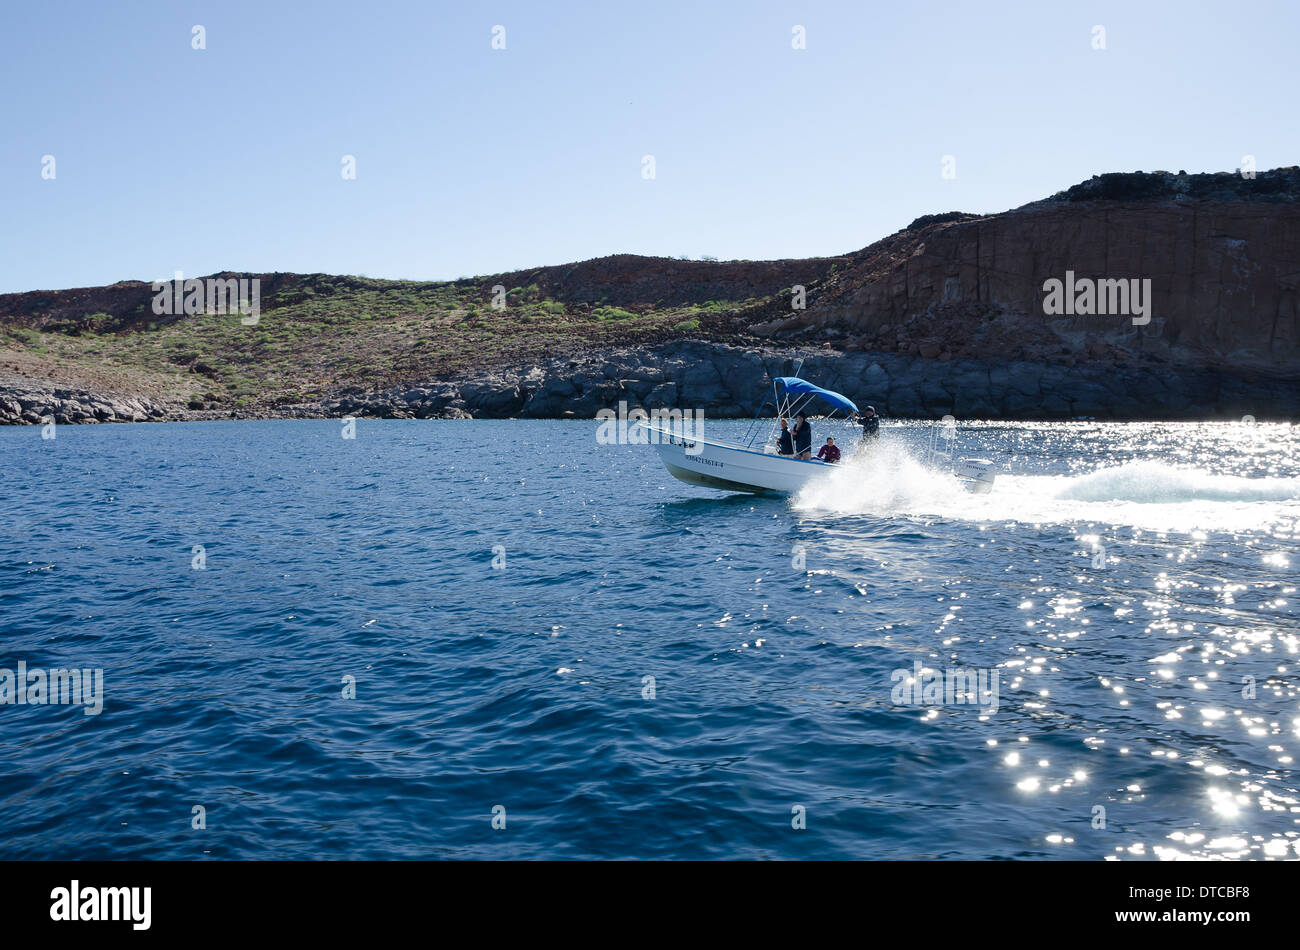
x=730 y=467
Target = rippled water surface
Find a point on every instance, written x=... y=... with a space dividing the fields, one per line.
x=1129 y=589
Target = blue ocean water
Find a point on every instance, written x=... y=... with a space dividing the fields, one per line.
x=556 y=634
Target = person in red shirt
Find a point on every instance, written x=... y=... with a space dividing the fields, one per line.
x=829 y=452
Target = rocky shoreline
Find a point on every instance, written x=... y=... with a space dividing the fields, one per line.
x=32 y=404
x=727 y=381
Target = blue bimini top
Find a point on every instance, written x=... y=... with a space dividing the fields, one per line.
x=793 y=384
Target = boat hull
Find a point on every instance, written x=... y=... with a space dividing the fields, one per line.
x=732 y=467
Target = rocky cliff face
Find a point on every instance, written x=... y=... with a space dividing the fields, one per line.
x=946 y=316
x=1223 y=265
x=729 y=381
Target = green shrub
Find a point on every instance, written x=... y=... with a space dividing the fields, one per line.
x=612 y=313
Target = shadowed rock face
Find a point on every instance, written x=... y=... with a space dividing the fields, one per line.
x=945 y=316
x=727 y=382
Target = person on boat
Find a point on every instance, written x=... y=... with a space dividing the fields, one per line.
x=870 y=423
x=785 y=446
x=802 y=438
x=829 y=452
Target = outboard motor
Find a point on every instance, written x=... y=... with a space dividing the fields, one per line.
x=977 y=474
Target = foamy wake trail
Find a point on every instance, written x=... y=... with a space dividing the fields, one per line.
x=891 y=482
x=886 y=480
x=1156 y=483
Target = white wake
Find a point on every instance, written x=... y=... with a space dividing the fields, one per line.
x=1151 y=495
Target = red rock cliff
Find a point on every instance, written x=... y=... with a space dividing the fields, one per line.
x=1223 y=262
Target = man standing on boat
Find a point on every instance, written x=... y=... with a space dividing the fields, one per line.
x=802 y=438
x=870 y=423
x=784 y=445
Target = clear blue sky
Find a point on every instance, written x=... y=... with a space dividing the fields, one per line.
x=473 y=161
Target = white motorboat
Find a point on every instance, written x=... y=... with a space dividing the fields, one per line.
x=754 y=466
x=732 y=467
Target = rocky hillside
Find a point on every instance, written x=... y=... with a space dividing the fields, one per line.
x=946 y=315
x=1222 y=254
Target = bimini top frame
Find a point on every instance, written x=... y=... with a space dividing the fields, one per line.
x=791 y=395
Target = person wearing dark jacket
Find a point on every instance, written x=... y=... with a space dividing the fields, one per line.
x=830 y=452
x=784 y=445
x=802 y=438
x=870 y=423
